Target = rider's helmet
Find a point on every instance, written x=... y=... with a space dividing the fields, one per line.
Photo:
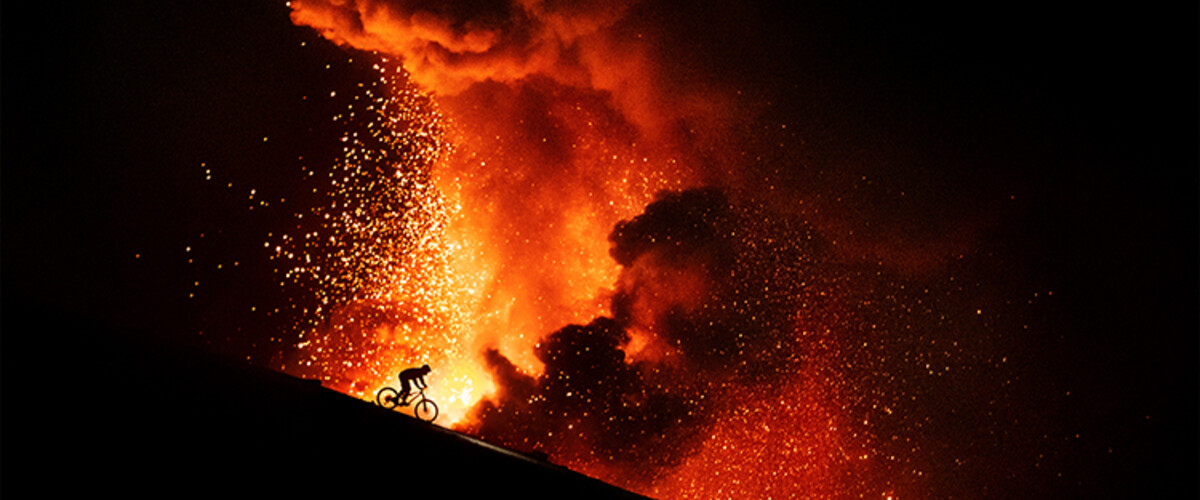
x=426 y=368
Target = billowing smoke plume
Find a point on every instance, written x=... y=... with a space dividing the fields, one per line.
x=701 y=338
x=448 y=46
x=714 y=282
x=566 y=117
x=706 y=303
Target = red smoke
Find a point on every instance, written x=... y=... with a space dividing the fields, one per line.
x=735 y=373
x=607 y=46
x=563 y=126
x=699 y=325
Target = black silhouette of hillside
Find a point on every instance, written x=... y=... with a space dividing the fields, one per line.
x=90 y=411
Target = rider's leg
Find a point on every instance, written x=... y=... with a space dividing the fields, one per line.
x=405 y=389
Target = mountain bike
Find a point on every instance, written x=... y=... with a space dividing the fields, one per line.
x=423 y=408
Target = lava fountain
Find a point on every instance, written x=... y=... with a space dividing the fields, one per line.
x=526 y=202
x=486 y=229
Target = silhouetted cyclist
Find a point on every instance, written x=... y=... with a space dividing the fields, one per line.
x=414 y=376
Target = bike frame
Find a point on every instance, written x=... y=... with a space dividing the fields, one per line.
x=417 y=401
x=412 y=399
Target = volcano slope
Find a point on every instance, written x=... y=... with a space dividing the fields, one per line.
x=90 y=410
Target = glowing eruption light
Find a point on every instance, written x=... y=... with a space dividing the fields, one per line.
x=376 y=257
x=404 y=272
x=518 y=170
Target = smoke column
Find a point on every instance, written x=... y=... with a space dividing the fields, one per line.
x=715 y=328
x=564 y=124
x=607 y=277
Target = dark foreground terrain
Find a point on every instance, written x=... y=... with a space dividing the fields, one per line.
x=88 y=411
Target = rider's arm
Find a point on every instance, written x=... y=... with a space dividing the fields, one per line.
x=421 y=382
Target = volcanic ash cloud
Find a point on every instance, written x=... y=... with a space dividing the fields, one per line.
x=617 y=47
x=706 y=302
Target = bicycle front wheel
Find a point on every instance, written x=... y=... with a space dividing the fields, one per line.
x=425 y=410
x=387 y=397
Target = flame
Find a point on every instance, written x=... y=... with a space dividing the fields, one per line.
x=470 y=217
x=435 y=243
x=382 y=277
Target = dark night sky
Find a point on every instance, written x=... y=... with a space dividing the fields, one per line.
x=109 y=111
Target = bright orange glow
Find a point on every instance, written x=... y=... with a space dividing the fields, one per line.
x=798 y=442
x=470 y=223
x=463 y=247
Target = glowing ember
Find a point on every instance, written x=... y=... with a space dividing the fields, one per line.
x=714 y=345
x=375 y=258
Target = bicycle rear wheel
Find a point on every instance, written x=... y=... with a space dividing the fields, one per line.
x=387 y=397
x=425 y=410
